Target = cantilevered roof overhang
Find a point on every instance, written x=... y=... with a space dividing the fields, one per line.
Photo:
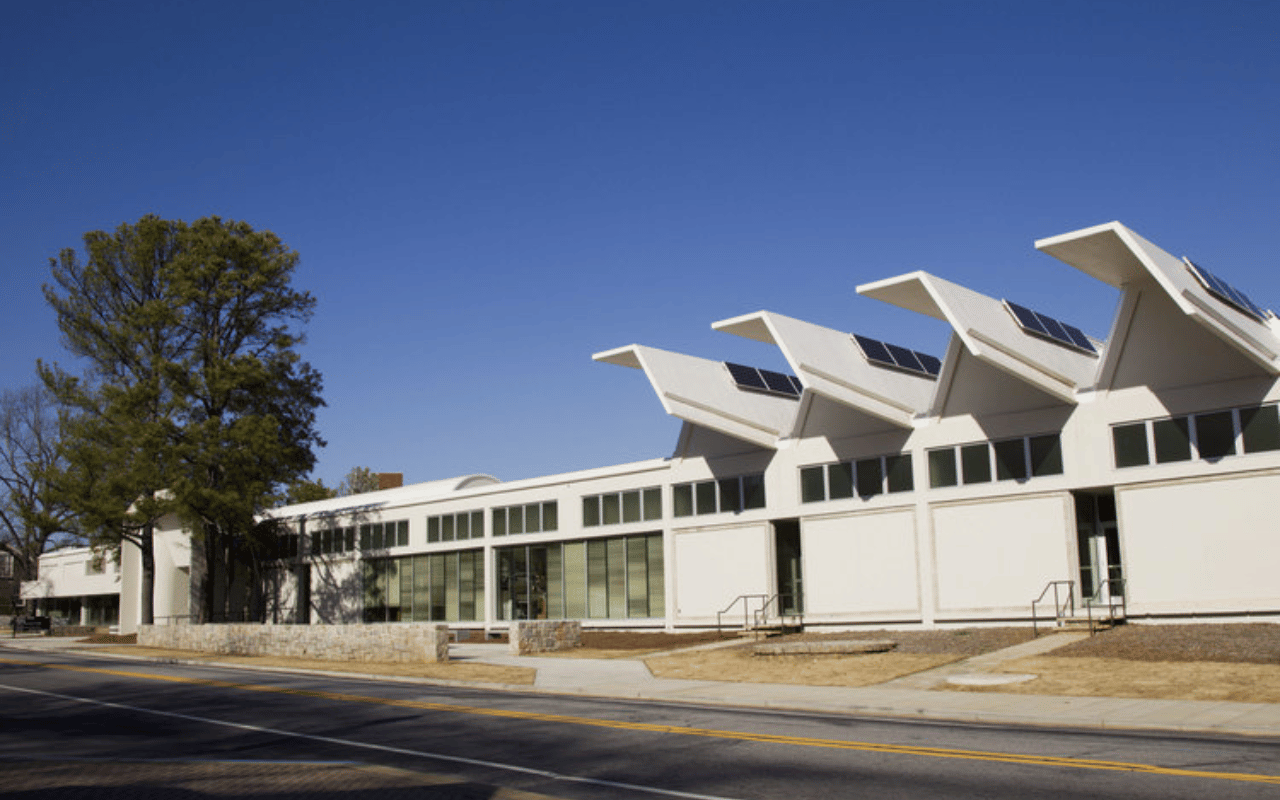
x=1117 y=256
x=702 y=392
x=830 y=364
x=989 y=332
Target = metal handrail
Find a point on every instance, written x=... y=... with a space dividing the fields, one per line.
x=746 y=611
x=762 y=613
x=1058 y=603
x=1110 y=602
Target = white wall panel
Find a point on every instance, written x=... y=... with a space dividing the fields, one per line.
x=996 y=556
x=859 y=565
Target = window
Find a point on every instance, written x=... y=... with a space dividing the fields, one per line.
x=1012 y=459
x=1210 y=435
x=637 y=505
x=1215 y=434
x=1130 y=443
x=455 y=527
x=1172 y=440
x=867 y=477
x=975 y=463
x=1046 y=455
x=1260 y=429
x=382 y=535
x=530 y=518
x=942 y=468
x=333 y=540
x=718 y=496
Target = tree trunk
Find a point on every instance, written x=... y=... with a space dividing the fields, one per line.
x=146 y=544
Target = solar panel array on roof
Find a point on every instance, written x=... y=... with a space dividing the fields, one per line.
x=1047 y=327
x=763 y=380
x=891 y=355
x=1226 y=292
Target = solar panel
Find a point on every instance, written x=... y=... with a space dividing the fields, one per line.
x=763 y=380
x=1225 y=292
x=1047 y=327
x=778 y=382
x=891 y=355
x=746 y=377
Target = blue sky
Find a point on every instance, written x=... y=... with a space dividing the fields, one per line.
x=486 y=193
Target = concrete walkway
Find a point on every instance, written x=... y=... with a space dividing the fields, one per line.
x=904 y=697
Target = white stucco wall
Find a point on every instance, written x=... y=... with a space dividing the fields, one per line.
x=992 y=558
x=713 y=566
x=860 y=566
x=1206 y=546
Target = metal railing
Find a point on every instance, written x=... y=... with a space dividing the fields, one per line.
x=1107 y=598
x=1060 y=605
x=747 y=611
x=762 y=617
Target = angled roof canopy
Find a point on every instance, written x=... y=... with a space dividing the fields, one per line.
x=1116 y=255
x=832 y=365
x=990 y=330
x=705 y=393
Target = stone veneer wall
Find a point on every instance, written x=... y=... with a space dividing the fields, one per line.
x=544 y=636
x=411 y=643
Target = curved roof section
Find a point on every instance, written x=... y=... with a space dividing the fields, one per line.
x=702 y=392
x=831 y=364
x=1116 y=255
x=371 y=501
x=990 y=333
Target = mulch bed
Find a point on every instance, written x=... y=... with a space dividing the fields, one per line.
x=961 y=641
x=1257 y=643
x=638 y=640
x=111 y=638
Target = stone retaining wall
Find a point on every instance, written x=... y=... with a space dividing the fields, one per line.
x=411 y=643
x=544 y=636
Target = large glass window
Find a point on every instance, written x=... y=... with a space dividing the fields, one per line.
x=614 y=578
x=436 y=587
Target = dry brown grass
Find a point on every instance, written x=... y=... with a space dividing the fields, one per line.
x=1083 y=676
x=450 y=670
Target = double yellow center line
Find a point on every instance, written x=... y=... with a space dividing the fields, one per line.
x=645 y=727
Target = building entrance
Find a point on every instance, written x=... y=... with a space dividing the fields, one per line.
x=1098 y=539
x=786 y=542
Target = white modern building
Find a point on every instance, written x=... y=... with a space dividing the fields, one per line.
x=873 y=485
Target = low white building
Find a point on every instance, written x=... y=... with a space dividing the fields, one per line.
x=873 y=485
x=75 y=586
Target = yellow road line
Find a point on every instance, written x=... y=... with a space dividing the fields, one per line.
x=645 y=727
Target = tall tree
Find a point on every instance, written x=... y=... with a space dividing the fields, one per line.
x=32 y=518
x=195 y=399
x=358 y=481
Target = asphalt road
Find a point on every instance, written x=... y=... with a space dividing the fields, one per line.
x=77 y=726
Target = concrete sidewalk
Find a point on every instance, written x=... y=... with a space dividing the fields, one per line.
x=903 y=697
